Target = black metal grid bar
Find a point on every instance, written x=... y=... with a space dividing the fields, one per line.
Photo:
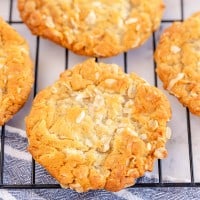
x=163 y=21
x=66 y=58
x=125 y=62
x=188 y=121
x=10 y=11
x=2 y=154
x=160 y=179
x=3 y=127
x=137 y=185
x=33 y=185
x=34 y=94
x=190 y=147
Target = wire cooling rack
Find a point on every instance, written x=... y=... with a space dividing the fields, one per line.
x=124 y=60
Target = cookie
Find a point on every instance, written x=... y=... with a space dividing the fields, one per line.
x=98 y=128
x=178 y=61
x=97 y=28
x=16 y=72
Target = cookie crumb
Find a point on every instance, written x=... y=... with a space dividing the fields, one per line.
x=91 y=18
x=143 y=136
x=110 y=81
x=175 y=80
x=1 y=65
x=175 y=49
x=80 y=117
x=132 y=132
x=149 y=146
x=160 y=153
x=131 y=21
x=49 y=22
x=168 y=133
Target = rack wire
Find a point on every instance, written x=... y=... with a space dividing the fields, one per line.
x=160 y=183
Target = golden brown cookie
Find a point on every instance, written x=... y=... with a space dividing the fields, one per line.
x=178 y=61
x=97 y=127
x=98 y=28
x=16 y=72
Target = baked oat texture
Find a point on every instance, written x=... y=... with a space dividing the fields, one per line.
x=178 y=61
x=97 y=127
x=97 y=28
x=16 y=75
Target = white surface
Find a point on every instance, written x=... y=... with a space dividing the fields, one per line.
x=52 y=63
x=4 y=9
x=172 y=11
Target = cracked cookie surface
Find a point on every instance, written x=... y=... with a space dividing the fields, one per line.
x=178 y=61
x=97 y=127
x=16 y=72
x=97 y=28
